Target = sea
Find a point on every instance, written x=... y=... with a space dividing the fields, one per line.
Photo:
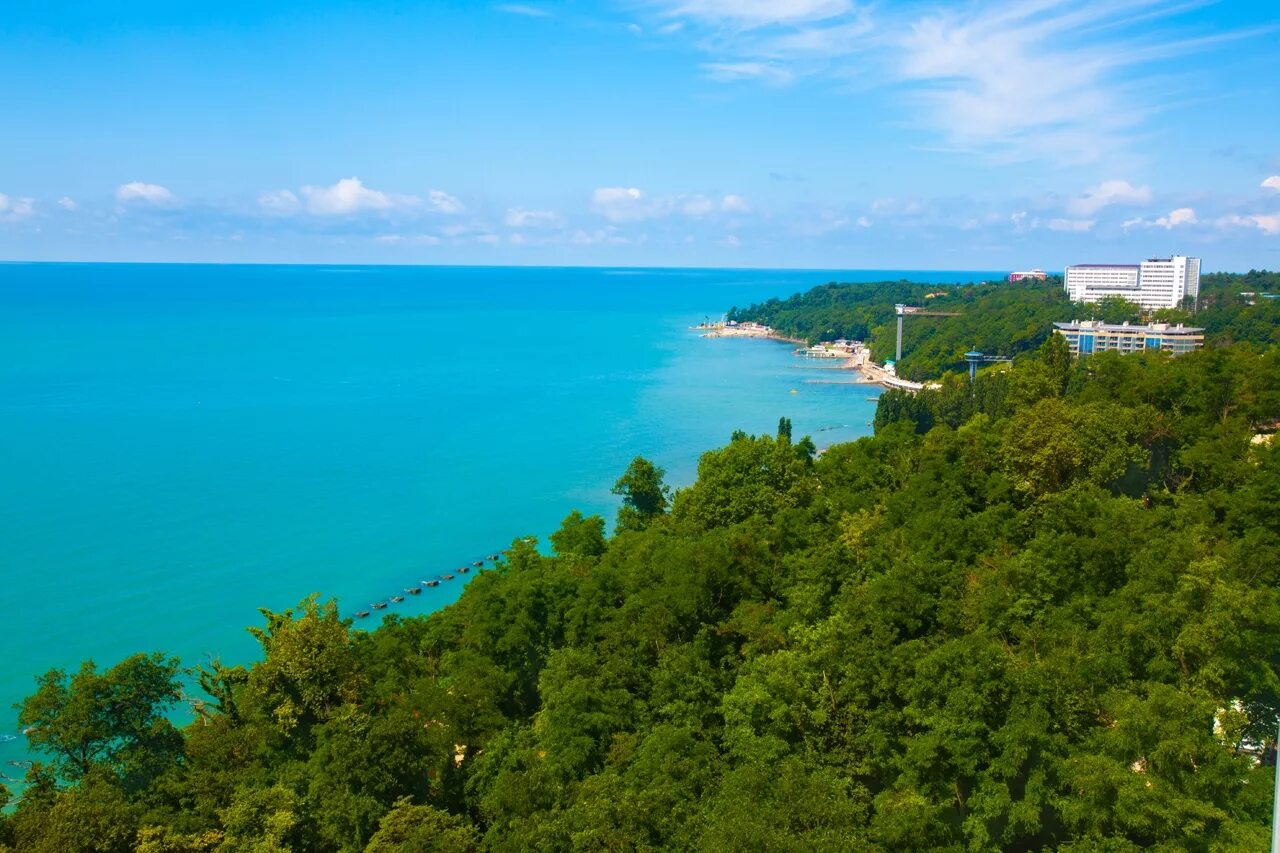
x=181 y=445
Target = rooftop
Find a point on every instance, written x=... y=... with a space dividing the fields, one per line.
x=1099 y=326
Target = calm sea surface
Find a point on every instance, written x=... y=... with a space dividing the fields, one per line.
x=180 y=445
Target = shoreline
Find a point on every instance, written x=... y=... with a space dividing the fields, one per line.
x=853 y=355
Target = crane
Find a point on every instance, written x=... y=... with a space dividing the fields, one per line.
x=903 y=310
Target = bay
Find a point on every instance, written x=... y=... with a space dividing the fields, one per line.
x=182 y=444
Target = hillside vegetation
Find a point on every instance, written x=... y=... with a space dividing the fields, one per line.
x=1001 y=319
x=1036 y=613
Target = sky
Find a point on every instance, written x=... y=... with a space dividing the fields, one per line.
x=772 y=133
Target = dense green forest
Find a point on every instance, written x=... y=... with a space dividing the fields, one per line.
x=999 y=318
x=1036 y=612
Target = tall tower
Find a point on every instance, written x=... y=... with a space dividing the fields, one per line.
x=974 y=358
x=901 y=309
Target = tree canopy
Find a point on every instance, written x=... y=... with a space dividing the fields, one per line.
x=1032 y=612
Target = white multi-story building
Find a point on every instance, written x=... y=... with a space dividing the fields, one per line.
x=1155 y=283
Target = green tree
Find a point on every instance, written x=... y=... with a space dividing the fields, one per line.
x=309 y=669
x=114 y=719
x=579 y=535
x=644 y=495
x=263 y=820
x=1055 y=354
x=92 y=817
x=1115 y=309
x=410 y=828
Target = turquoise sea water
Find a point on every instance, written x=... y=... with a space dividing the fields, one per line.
x=180 y=445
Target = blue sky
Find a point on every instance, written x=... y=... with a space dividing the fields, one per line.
x=807 y=133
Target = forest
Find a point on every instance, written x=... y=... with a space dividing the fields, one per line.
x=1032 y=612
x=998 y=318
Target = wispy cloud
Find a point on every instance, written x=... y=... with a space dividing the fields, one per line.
x=520 y=218
x=12 y=209
x=764 y=71
x=523 y=10
x=1073 y=225
x=752 y=14
x=631 y=204
x=1272 y=183
x=1106 y=194
x=441 y=202
x=1066 y=80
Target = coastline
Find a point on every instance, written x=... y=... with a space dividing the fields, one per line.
x=745 y=330
x=854 y=355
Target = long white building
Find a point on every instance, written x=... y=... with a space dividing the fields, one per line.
x=1154 y=283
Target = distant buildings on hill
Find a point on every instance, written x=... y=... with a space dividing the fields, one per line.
x=1037 y=274
x=1090 y=336
x=1152 y=284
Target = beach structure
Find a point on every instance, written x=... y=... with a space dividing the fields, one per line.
x=1155 y=283
x=1036 y=274
x=1089 y=336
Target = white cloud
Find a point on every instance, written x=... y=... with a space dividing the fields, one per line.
x=1267 y=223
x=13 y=209
x=137 y=191
x=280 y=202
x=442 y=202
x=1106 y=194
x=1075 y=225
x=1272 y=183
x=68 y=203
x=627 y=204
x=731 y=241
x=349 y=195
x=734 y=204
x=521 y=218
x=863 y=222
x=1181 y=216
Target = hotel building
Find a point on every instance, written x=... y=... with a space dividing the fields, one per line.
x=1090 y=336
x=1154 y=283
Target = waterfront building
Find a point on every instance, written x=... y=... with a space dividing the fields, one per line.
x=1089 y=336
x=1037 y=274
x=1154 y=283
